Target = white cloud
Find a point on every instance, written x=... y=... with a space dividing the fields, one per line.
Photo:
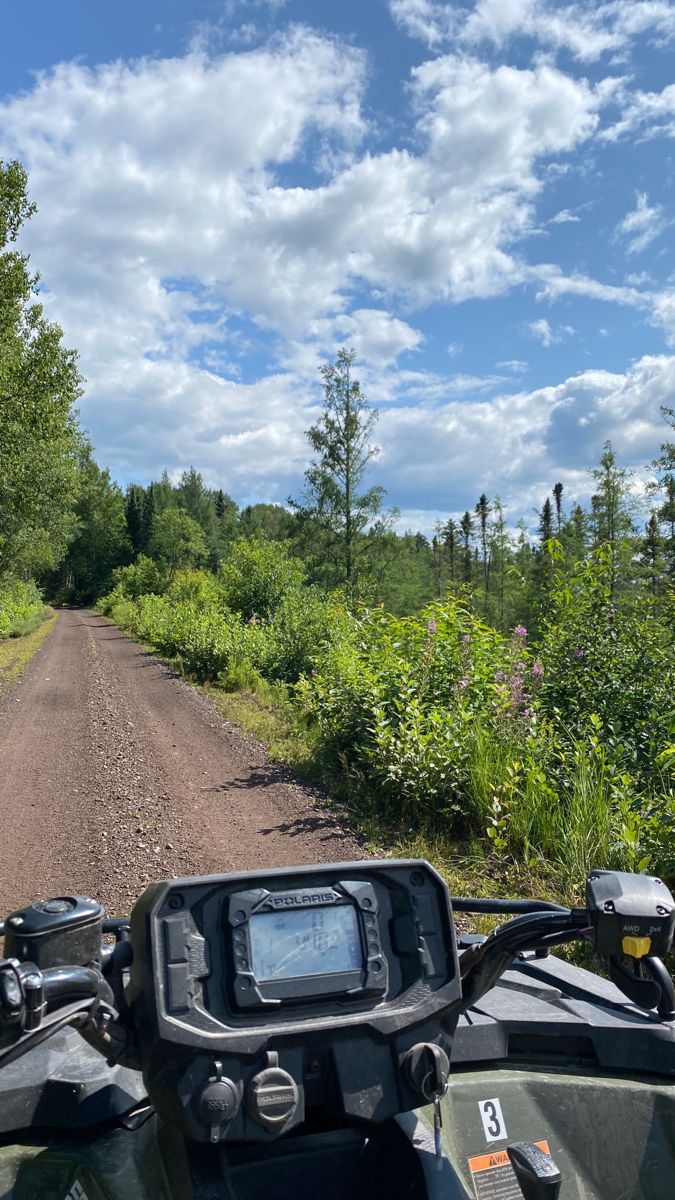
x=663 y=312
x=378 y=338
x=649 y=114
x=555 y=284
x=643 y=225
x=586 y=31
x=658 y=306
x=499 y=122
x=159 y=190
x=516 y=365
x=563 y=218
x=518 y=445
x=546 y=334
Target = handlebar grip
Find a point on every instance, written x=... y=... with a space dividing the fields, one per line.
x=65 y=984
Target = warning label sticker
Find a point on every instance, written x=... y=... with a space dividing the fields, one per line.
x=493 y=1176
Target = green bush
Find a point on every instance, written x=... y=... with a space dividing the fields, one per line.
x=614 y=661
x=398 y=700
x=305 y=627
x=22 y=608
x=257 y=576
x=142 y=577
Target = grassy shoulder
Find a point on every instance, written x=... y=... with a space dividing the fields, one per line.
x=16 y=652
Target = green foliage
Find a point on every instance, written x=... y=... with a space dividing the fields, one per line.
x=551 y=754
x=141 y=577
x=612 y=662
x=305 y=627
x=257 y=576
x=334 y=507
x=176 y=539
x=100 y=540
x=22 y=608
x=399 y=699
x=191 y=616
x=39 y=385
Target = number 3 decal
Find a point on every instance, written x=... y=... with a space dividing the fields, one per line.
x=492 y=1117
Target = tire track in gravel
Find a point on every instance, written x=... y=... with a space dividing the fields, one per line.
x=114 y=772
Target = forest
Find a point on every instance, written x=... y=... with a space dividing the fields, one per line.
x=505 y=688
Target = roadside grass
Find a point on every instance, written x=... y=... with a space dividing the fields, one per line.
x=16 y=652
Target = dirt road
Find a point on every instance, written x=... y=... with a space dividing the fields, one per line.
x=113 y=772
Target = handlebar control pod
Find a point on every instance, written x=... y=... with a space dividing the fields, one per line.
x=263 y=997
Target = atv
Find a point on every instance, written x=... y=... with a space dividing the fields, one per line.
x=325 y=1032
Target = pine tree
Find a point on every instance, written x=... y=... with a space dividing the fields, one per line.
x=611 y=515
x=557 y=496
x=545 y=527
x=651 y=554
x=450 y=541
x=666 y=515
x=134 y=507
x=483 y=511
x=466 y=527
x=499 y=556
x=574 y=535
x=437 y=558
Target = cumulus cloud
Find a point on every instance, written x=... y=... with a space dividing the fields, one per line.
x=180 y=196
x=517 y=445
x=169 y=170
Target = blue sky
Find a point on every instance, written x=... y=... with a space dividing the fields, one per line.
x=477 y=196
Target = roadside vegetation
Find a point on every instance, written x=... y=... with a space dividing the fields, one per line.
x=551 y=753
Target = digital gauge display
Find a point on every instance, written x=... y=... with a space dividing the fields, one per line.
x=295 y=943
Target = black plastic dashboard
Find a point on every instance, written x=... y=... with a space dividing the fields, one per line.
x=258 y=997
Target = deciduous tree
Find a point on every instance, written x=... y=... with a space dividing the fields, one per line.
x=40 y=440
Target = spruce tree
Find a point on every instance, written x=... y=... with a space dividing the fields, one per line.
x=466 y=527
x=483 y=511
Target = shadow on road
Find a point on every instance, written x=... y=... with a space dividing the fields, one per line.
x=267 y=777
x=322 y=827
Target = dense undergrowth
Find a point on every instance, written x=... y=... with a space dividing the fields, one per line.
x=554 y=756
x=22 y=608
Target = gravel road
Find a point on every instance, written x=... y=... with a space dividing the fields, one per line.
x=113 y=773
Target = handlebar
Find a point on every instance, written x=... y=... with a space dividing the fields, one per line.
x=37 y=997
